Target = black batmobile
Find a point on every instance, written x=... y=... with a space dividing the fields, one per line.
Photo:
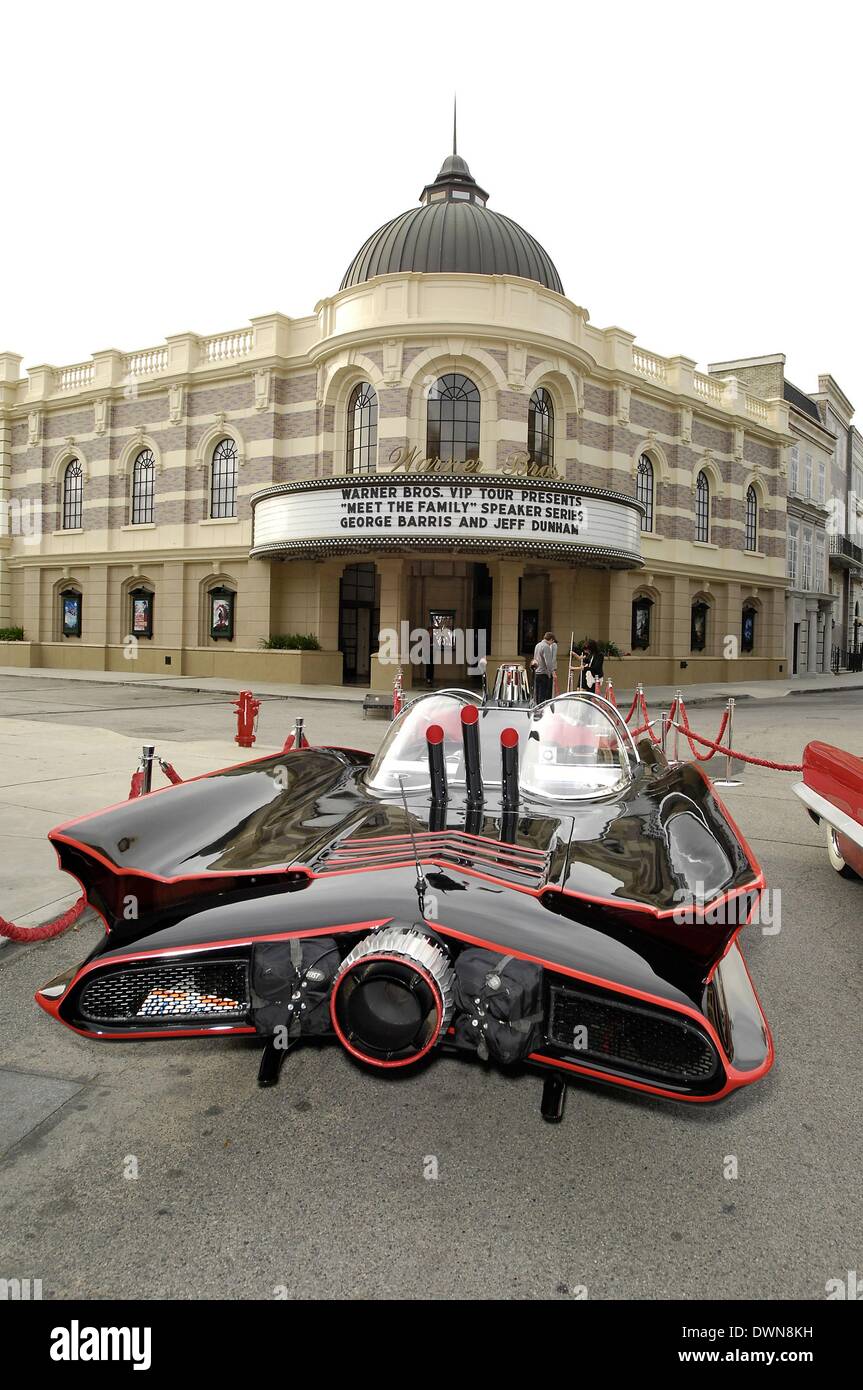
x=521 y=885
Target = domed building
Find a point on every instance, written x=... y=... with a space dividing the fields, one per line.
x=453 y=231
x=447 y=445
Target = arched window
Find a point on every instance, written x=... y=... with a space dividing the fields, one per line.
x=73 y=496
x=751 y=519
x=540 y=428
x=223 y=481
x=362 y=451
x=453 y=419
x=642 y=607
x=644 y=491
x=143 y=488
x=698 y=626
x=702 y=508
x=747 y=628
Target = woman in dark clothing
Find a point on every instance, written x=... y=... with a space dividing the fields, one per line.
x=591 y=666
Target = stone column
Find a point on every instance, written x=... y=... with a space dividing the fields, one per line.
x=562 y=584
x=394 y=610
x=171 y=614
x=97 y=589
x=679 y=630
x=619 y=615
x=504 y=613
x=329 y=573
x=812 y=646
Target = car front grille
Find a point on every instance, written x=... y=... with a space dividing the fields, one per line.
x=630 y=1037
x=177 y=991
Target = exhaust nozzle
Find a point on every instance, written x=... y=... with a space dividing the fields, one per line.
x=437 y=766
x=472 y=764
x=509 y=768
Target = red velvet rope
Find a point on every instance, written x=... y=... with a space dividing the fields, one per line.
x=632 y=708
x=714 y=746
x=49 y=929
x=744 y=757
x=684 y=728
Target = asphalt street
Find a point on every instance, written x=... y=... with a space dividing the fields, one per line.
x=443 y=1184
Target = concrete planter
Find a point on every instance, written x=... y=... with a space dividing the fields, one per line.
x=18 y=653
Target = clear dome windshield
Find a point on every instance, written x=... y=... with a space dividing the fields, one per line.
x=404 y=752
x=574 y=749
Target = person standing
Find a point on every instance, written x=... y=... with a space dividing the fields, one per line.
x=545 y=664
x=592 y=667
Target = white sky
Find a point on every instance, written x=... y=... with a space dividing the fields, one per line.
x=693 y=169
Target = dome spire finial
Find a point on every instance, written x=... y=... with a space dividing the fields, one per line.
x=454 y=179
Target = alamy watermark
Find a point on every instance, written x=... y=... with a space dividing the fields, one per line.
x=21 y=517
x=430 y=646
x=737 y=911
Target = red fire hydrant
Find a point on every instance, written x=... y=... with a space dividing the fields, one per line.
x=247 y=718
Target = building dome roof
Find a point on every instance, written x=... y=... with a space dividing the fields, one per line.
x=452 y=231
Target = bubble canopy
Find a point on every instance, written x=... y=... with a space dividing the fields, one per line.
x=571 y=748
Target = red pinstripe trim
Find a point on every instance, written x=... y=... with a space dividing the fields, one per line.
x=734 y=1079
x=624 y=904
x=734 y=1076
x=52 y=1006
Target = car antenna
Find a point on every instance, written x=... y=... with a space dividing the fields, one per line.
x=421 y=878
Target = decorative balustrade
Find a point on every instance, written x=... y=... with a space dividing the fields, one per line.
x=648 y=364
x=189 y=353
x=223 y=347
x=755 y=407
x=147 y=362
x=707 y=387
x=77 y=377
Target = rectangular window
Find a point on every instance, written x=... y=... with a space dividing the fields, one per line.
x=822 y=482
x=819 y=564
x=807 y=477
x=806 y=575
x=792 y=552
x=793 y=467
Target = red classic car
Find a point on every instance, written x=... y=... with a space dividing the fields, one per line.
x=832 y=792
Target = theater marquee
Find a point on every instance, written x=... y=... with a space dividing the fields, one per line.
x=338 y=515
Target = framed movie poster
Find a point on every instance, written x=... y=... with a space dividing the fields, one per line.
x=529 y=631
x=222 y=603
x=442 y=623
x=142 y=613
x=71 y=600
x=640 y=635
x=747 y=632
x=698 y=627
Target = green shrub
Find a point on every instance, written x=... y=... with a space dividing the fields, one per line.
x=291 y=642
x=11 y=634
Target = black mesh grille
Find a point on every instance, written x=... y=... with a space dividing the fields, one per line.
x=630 y=1038
x=179 y=990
